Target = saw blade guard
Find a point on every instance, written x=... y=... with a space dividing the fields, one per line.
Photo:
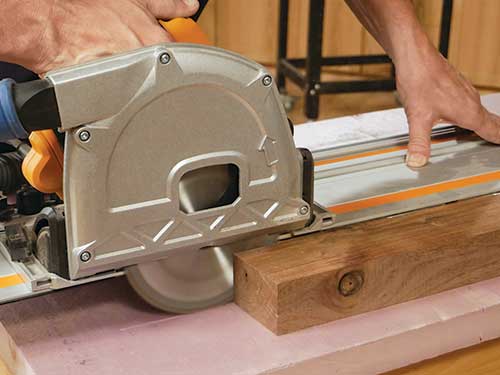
x=175 y=156
x=161 y=124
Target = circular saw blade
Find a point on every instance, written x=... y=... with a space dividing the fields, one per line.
x=191 y=279
x=186 y=281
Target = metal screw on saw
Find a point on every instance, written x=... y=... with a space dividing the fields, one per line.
x=164 y=58
x=267 y=80
x=85 y=256
x=351 y=283
x=84 y=136
x=304 y=210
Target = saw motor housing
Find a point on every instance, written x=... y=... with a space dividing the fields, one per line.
x=139 y=126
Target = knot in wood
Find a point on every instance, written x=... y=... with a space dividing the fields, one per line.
x=351 y=283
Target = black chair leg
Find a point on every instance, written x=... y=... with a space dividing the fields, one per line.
x=444 y=37
x=314 y=57
x=282 y=44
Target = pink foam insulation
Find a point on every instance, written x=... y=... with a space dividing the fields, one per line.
x=104 y=328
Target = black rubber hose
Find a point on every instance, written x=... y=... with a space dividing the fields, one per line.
x=11 y=177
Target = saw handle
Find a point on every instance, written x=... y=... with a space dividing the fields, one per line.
x=43 y=166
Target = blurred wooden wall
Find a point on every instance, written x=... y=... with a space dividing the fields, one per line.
x=250 y=28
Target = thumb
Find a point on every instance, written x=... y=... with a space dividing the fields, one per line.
x=419 y=147
x=168 y=9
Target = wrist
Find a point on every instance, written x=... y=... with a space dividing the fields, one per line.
x=412 y=46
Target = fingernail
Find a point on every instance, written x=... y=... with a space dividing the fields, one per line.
x=191 y=3
x=416 y=160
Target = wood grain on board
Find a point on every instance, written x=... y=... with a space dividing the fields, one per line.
x=323 y=277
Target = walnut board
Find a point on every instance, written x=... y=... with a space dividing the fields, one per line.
x=297 y=283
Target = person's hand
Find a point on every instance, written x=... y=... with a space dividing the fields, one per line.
x=432 y=91
x=77 y=31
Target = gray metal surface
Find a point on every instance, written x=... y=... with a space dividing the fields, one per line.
x=187 y=281
x=194 y=278
x=205 y=107
x=453 y=160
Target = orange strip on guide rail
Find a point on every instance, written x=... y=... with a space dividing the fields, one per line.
x=11 y=280
x=414 y=193
x=373 y=153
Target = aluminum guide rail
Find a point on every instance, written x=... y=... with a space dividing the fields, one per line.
x=370 y=180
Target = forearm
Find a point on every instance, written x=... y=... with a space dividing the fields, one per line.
x=394 y=24
x=430 y=89
x=22 y=26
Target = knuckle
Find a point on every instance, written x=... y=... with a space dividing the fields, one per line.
x=475 y=118
x=497 y=130
x=419 y=144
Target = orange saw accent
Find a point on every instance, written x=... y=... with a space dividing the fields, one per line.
x=11 y=280
x=43 y=166
x=373 y=153
x=414 y=193
x=185 y=30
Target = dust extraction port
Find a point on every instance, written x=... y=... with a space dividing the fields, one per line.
x=209 y=187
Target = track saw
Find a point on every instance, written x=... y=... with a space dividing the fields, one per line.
x=162 y=162
x=158 y=164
